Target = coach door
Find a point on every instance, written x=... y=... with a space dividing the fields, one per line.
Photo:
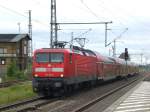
x=100 y=70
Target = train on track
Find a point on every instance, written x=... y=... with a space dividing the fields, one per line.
x=59 y=69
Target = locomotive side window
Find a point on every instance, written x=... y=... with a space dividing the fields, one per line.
x=56 y=57
x=42 y=57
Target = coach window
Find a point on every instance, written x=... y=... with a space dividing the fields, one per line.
x=70 y=58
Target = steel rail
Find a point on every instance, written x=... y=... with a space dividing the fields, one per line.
x=7 y=107
x=36 y=106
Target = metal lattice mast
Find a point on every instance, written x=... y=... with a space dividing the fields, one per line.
x=53 y=39
x=30 y=34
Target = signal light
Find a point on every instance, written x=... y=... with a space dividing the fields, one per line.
x=126 y=55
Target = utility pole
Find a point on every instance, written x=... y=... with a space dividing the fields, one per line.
x=19 y=27
x=106 y=29
x=114 y=48
x=114 y=41
x=146 y=59
x=53 y=39
x=30 y=34
x=141 y=58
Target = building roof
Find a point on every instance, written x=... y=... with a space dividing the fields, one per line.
x=13 y=37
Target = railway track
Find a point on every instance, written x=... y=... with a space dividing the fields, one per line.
x=27 y=105
x=36 y=105
x=100 y=98
x=10 y=83
x=15 y=105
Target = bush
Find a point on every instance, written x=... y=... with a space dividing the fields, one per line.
x=11 y=70
x=14 y=72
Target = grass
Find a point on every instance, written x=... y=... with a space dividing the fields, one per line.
x=16 y=93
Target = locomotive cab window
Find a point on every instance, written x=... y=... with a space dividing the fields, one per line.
x=56 y=57
x=42 y=57
x=49 y=57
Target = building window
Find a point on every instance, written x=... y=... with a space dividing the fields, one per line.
x=25 y=42
x=2 y=61
x=25 y=50
x=18 y=51
x=3 y=50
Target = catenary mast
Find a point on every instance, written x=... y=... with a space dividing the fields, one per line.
x=54 y=26
x=53 y=38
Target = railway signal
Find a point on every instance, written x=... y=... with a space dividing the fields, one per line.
x=126 y=55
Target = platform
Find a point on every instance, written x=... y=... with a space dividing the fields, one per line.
x=136 y=100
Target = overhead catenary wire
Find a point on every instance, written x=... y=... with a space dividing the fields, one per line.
x=93 y=13
x=37 y=2
x=90 y=10
x=131 y=17
x=109 y=11
x=11 y=10
x=20 y=14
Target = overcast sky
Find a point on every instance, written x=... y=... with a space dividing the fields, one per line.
x=131 y=14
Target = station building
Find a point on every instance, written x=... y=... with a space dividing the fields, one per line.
x=13 y=47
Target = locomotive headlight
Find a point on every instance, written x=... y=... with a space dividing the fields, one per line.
x=35 y=75
x=62 y=75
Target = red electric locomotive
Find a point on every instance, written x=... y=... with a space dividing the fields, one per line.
x=56 y=69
